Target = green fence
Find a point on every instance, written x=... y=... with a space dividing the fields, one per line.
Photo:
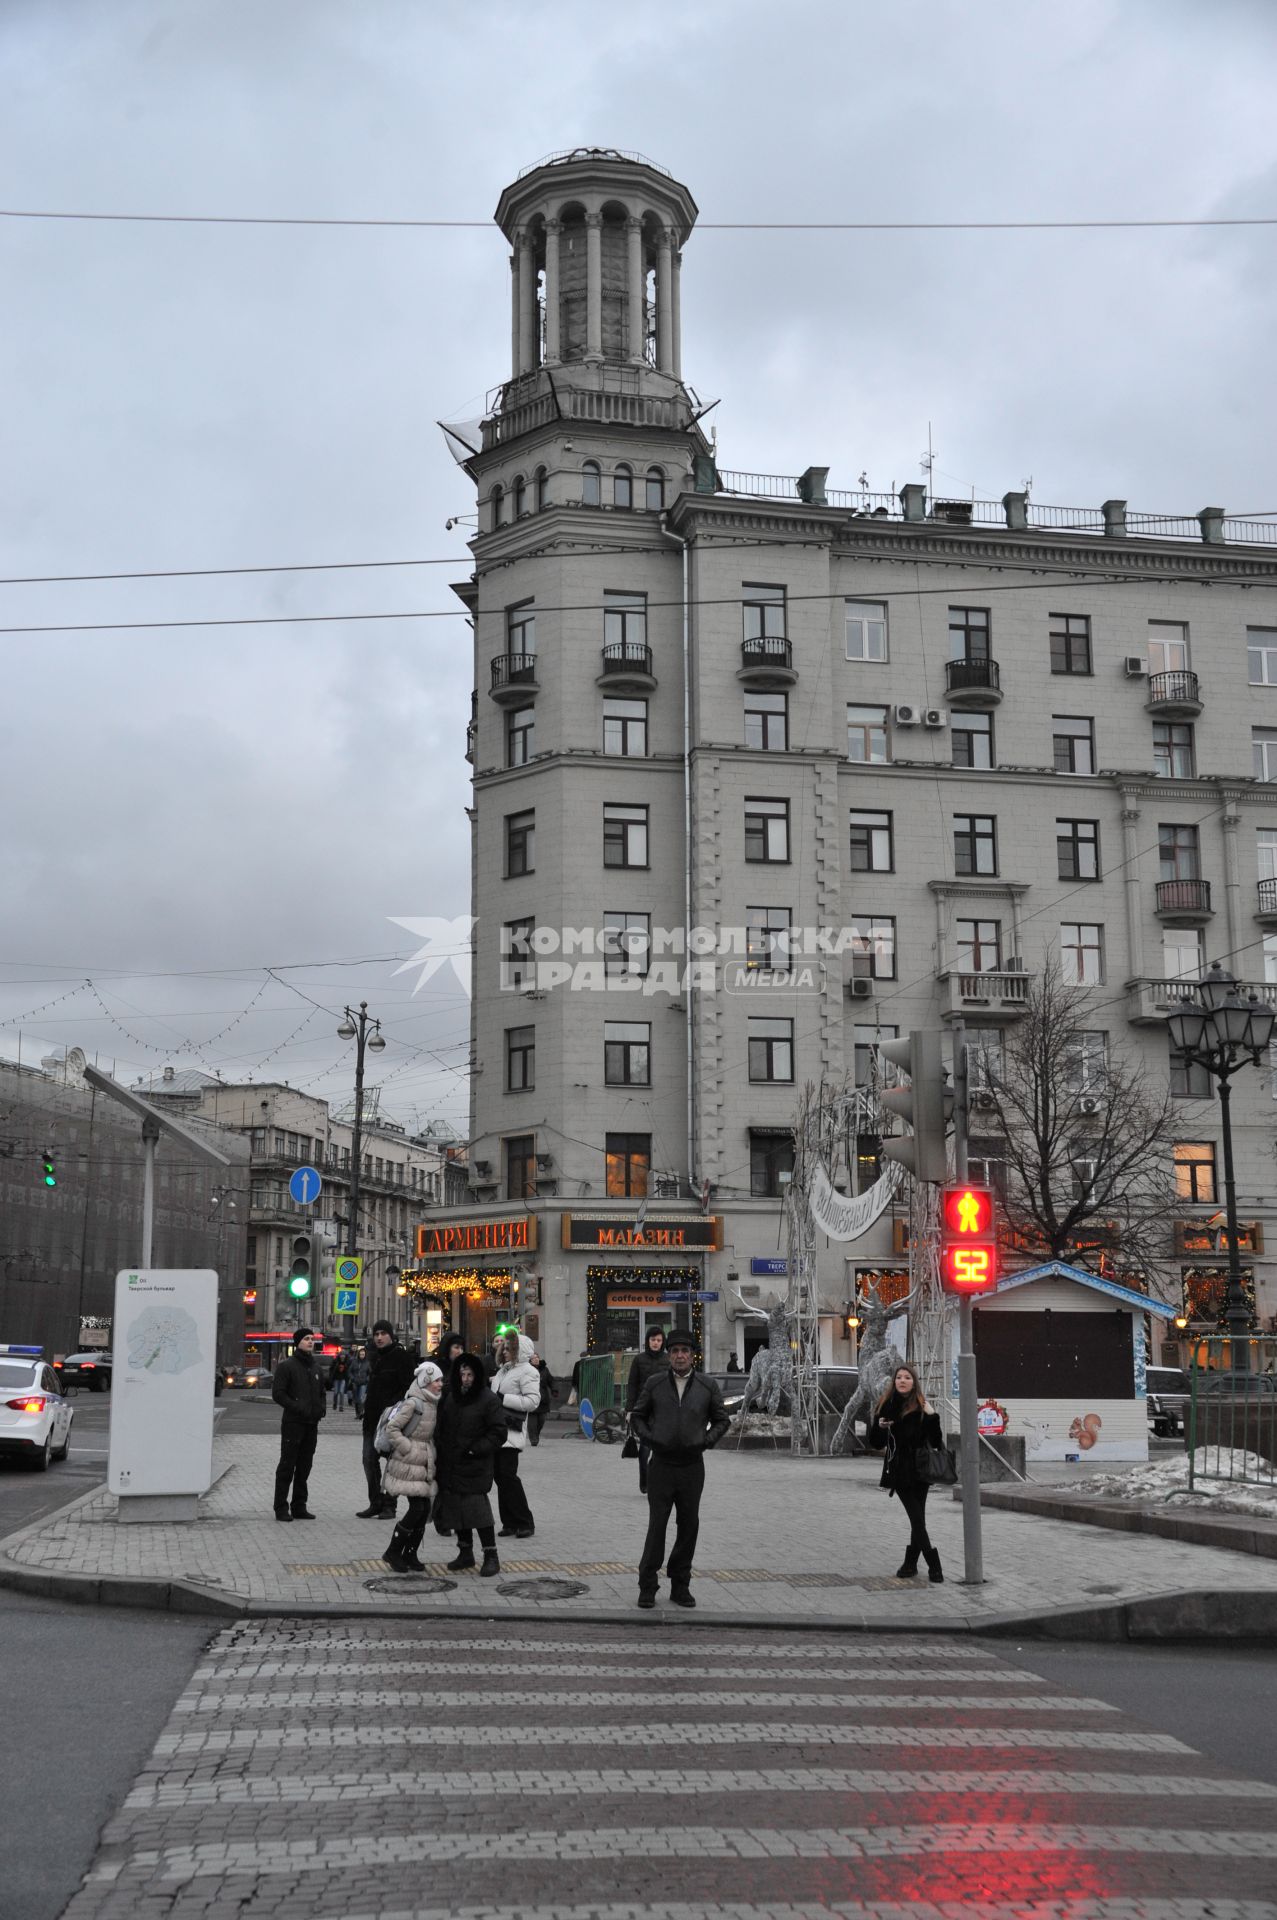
x=603 y=1380
x=1232 y=1415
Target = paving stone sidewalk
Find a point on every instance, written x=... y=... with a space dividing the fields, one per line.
x=783 y=1539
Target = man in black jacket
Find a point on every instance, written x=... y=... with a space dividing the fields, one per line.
x=299 y=1389
x=679 y=1414
x=390 y=1371
x=653 y=1359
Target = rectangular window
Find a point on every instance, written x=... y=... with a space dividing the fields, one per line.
x=521 y=629
x=867 y=630
x=624 y=835
x=865 y=1044
x=625 y=623
x=867 y=735
x=1190 y=1080
x=1263 y=746
x=1178 y=853
x=986 y=1164
x=257 y=1140
x=521 y=1167
x=1070 y=643
x=767 y=721
x=984 y=1056
x=627 y=945
x=1261 y=656
x=1167 y=646
x=629 y=1159
x=1077 y=849
x=771 y=1050
x=979 y=945
x=1086 y=1062
x=1173 y=756
x=771 y=1162
x=871 y=842
x=763 y=612
x=625 y=728
x=969 y=633
x=520 y=735
x=1081 y=953
x=517 y=963
x=877 y=939
x=520 y=843
x=767 y=938
x=520 y=1059
x=1195 y=1172
x=627 y=1054
x=1073 y=741
x=1266 y=852
x=971 y=737
x=767 y=830
x=1182 y=953
x=975 y=843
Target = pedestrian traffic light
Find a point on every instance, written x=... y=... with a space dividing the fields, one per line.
x=301 y=1272
x=50 y=1168
x=968 y=1239
x=926 y=1103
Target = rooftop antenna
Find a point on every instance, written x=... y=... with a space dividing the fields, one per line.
x=927 y=460
x=1028 y=485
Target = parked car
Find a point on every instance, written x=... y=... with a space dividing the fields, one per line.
x=91 y=1370
x=257 y=1377
x=232 y=1376
x=35 y=1415
x=1169 y=1392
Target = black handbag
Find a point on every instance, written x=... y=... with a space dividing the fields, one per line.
x=514 y=1420
x=935 y=1466
x=630 y=1450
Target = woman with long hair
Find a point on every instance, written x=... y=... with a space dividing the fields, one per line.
x=902 y=1423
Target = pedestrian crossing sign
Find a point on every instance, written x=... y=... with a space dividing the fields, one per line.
x=346 y=1300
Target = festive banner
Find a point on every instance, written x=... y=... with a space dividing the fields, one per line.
x=843 y=1218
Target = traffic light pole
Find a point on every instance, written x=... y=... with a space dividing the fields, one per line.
x=972 y=1544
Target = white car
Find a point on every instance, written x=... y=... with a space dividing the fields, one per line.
x=35 y=1415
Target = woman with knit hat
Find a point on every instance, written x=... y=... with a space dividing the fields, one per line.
x=410 y=1465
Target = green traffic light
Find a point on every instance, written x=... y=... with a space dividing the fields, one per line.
x=50 y=1170
x=299 y=1286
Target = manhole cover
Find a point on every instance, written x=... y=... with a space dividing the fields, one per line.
x=542 y=1589
x=411 y=1584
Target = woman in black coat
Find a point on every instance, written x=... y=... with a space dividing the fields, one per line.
x=469 y=1433
x=903 y=1423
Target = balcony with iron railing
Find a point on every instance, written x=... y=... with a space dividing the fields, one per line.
x=514 y=678
x=1148 y=1002
x=767 y=660
x=627 y=665
x=973 y=684
x=1175 y=695
x=1266 y=907
x=1183 y=903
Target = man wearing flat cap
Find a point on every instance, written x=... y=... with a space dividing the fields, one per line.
x=680 y=1415
x=299 y=1389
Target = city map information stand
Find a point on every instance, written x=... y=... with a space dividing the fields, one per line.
x=165 y=1346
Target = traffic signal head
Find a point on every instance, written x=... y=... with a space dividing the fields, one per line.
x=926 y=1103
x=968 y=1239
x=301 y=1272
x=49 y=1168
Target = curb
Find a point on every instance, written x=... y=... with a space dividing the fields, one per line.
x=1234 y=1532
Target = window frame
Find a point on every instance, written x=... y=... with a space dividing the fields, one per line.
x=636 y=1160
x=1069 y=638
x=621 y=822
x=1204 y=1159
x=765 y=927
x=519 y=1151
x=520 y=736
x=654 y=480
x=866 y=939
x=1159 y=632
x=623 y=484
x=1065 y=746
x=974 y=625
x=1081 y=947
x=1167 y=748
x=972 y=842
x=627 y=1046
x=1188 y=1079
x=770 y=812
x=971 y=725
x=1081 y=837
x=517 y=959
x=520 y=840
x=864 y=826
x=870 y=731
x=591 y=484
x=770 y=599
x=619 y=954
x=1178 y=841
x=520 y=1059
x=1263 y=748
x=768 y=1148
x=767 y=715
x=521 y=628
x=626 y=723
x=771 y=1051
x=856 y=614
x=985 y=936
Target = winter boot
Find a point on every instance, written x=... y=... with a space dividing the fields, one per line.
x=399 y=1553
x=463 y=1562
x=909 y=1565
x=935 y=1572
x=491 y=1564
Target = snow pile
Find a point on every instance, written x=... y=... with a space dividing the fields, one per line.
x=1166 y=1484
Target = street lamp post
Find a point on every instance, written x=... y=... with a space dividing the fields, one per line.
x=367 y=1036
x=1223 y=1032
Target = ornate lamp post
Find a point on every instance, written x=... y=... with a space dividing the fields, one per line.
x=1222 y=1033
x=367 y=1036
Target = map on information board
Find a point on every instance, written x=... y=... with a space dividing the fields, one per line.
x=164 y=1340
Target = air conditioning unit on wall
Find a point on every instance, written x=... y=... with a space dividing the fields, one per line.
x=1133 y=666
x=1088 y=1104
x=935 y=717
x=905 y=716
x=860 y=987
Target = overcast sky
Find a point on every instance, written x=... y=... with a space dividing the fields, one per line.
x=186 y=807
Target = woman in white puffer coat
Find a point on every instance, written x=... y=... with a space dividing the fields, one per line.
x=410 y=1465
x=517 y=1385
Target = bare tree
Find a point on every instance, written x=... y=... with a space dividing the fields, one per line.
x=1084 y=1135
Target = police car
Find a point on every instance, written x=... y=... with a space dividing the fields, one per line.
x=35 y=1415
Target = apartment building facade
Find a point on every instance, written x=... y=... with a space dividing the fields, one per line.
x=935 y=746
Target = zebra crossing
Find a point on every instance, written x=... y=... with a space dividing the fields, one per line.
x=343 y=1768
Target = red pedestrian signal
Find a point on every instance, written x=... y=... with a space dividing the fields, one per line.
x=968 y=1243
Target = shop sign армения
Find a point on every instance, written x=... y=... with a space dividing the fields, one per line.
x=518 y=1235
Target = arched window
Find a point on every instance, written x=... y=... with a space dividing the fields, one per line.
x=623 y=487
x=591 y=485
x=498 y=506
x=655 y=490
x=541 y=480
x=518 y=503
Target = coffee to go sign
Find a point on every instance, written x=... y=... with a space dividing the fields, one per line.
x=478 y=1236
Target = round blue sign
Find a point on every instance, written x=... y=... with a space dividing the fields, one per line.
x=304 y=1185
x=586 y=1417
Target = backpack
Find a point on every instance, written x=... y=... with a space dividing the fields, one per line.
x=383 y=1439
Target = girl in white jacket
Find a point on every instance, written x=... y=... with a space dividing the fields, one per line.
x=517 y=1385
x=410 y=1465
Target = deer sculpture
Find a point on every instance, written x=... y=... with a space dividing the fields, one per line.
x=878 y=1363
x=771 y=1372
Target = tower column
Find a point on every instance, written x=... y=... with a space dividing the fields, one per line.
x=664 y=301
x=527 y=284
x=514 y=312
x=552 y=292
x=676 y=318
x=594 y=286
x=638 y=317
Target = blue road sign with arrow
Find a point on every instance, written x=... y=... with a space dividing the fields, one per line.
x=304 y=1185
